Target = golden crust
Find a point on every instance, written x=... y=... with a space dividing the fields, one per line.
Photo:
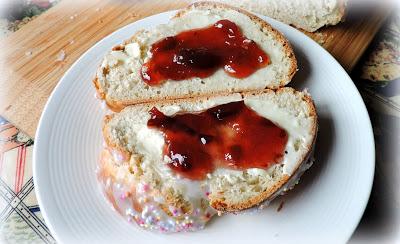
x=342 y=10
x=109 y=142
x=99 y=90
x=221 y=205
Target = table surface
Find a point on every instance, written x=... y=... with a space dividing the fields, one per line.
x=32 y=62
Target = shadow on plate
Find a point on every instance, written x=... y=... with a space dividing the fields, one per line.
x=322 y=152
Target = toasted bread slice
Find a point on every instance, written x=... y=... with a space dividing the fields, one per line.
x=118 y=80
x=126 y=134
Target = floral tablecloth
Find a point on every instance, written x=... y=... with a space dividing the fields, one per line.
x=377 y=77
x=20 y=218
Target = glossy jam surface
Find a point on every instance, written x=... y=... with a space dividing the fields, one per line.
x=201 y=52
x=228 y=136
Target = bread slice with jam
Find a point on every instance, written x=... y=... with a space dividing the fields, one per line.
x=144 y=68
x=159 y=144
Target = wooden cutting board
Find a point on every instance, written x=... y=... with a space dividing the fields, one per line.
x=33 y=59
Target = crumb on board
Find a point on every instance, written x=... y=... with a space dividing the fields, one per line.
x=320 y=37
x=61 y=56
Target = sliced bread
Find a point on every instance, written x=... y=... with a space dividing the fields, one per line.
x=118 y=80
x=139 y=150
x=308 y=15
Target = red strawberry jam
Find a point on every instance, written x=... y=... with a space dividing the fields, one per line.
x=228 y=136
x=201 y=52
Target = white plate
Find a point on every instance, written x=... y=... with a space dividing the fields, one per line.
x=326 y=205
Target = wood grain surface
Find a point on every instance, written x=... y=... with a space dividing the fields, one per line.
x=33 y=59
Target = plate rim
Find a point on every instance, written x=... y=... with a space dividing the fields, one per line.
x=62 y=82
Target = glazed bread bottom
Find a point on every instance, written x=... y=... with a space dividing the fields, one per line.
x=138 y=196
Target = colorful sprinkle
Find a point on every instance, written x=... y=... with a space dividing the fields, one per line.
x=152 y=216
x=129 y=211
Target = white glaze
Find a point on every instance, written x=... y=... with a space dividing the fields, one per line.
x=139 y=201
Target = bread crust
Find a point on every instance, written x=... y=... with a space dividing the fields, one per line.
x=117 y=106
x=221 y=204
x=342 y=10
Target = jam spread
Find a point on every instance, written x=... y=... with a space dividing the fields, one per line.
x=228 y=136
x=201 y=52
